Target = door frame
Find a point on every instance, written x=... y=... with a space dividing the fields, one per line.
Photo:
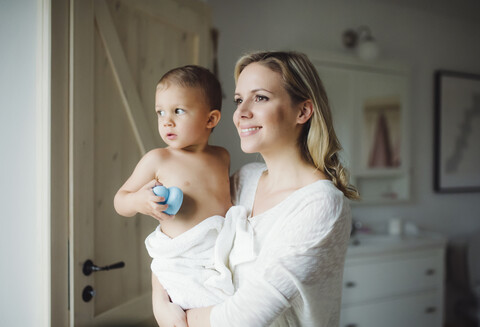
x=62 y=78
x=42 y=267
x=59 y=160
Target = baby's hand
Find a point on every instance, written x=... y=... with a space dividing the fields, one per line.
x=173 y=196
x=148 y=202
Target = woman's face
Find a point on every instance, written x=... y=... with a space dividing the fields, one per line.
x=265 y=117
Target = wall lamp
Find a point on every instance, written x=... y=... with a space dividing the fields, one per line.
x=362 y=41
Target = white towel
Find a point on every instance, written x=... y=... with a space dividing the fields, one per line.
x=192 y=267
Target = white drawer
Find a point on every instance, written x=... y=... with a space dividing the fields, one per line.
x=385 y=278
x=422 y=310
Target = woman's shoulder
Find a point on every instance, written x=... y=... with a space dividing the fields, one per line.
x=248 y=172
x=320 y=199
x=320 y=191
x=250 y=169
x=311 y=214
x=243 y=182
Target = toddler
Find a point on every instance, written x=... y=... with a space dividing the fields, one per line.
x=187 y=102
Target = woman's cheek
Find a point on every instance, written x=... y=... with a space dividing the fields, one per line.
x=235 y=117
x=235 y=121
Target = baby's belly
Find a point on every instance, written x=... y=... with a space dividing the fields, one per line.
x=193 y=211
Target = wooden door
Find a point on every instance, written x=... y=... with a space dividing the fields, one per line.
x=119 y=50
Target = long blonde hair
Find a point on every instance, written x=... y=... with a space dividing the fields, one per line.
x=318 y=142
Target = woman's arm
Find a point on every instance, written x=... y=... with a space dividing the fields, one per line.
x=167 y=314
x=303 y=256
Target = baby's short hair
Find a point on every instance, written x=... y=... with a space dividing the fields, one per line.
x=196 y=76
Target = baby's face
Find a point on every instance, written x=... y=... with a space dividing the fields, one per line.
x=183 y=115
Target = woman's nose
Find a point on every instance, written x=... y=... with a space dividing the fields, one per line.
x=243 y=111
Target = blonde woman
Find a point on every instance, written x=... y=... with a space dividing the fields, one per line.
x=287 y=268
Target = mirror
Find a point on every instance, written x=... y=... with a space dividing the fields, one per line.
x=370 y=106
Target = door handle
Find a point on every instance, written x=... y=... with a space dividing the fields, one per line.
x=89 y=267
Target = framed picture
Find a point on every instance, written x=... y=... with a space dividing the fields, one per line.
x=382 y=132
x=457 y=132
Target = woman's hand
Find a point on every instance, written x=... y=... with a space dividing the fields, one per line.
x=146 y=202
x=170 y=315
x=167 y=314
x=199 y=317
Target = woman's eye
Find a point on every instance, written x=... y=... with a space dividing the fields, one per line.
x=259 y=98
x=237 y=101
x=161 y=113
x=179 y=111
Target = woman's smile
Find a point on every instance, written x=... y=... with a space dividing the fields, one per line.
x=247 y=131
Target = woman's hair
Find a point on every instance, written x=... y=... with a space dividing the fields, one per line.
x=197 y=77
x=318 y=142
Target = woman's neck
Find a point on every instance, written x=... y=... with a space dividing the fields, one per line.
x=288 y=169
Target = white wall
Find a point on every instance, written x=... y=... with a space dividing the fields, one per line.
x=19 y=247
x=426 y=36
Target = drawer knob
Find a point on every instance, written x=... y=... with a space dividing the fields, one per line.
x=430 y=272
x=430 y=310
x=350 y=284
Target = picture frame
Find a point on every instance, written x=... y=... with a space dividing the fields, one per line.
x=457 y=132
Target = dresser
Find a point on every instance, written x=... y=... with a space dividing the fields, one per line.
x=394 y=281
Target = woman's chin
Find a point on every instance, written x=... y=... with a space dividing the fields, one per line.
x=248 y=148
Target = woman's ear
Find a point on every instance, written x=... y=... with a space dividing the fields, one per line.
x=305 y=112
x=213 y=118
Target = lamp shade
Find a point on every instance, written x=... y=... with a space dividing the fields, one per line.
x=368 y=49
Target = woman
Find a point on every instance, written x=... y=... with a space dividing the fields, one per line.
x=289 y=272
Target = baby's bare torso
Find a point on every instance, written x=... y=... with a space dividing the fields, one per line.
x=204 y=179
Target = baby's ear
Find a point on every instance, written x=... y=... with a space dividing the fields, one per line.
x=213 y=118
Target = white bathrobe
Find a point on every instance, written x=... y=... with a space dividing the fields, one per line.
x=191 y=267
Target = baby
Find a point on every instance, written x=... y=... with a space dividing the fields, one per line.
x=187 y=102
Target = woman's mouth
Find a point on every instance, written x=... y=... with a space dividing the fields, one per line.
x=171 y=136
x=247 y=131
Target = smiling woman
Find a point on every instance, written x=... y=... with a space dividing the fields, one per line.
x=287 y=258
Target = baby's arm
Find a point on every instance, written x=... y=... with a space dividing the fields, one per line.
x=136 y=195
